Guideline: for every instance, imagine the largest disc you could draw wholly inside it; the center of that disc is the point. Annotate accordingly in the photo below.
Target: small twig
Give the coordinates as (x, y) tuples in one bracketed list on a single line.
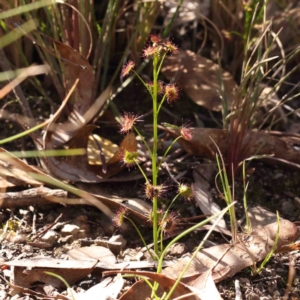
[(47, 228), (34, 222), (238, 293)]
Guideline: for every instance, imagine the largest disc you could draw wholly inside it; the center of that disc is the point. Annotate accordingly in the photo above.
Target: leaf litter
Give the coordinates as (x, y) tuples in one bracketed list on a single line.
[(212, 264)]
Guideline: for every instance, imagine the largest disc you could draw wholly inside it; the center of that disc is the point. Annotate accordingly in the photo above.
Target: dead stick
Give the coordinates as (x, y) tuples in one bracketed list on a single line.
[(35, 196)]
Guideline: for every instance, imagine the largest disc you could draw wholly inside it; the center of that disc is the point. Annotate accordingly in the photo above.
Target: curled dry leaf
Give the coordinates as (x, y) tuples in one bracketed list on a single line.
[(226, 260), (198, 77)]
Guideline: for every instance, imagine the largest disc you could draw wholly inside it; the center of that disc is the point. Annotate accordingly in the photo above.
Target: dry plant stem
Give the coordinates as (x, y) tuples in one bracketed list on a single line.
[(36, 196), (4, 63)]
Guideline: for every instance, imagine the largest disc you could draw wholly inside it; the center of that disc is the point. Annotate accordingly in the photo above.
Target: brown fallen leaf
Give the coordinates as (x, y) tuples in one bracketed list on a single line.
[(28, 271), (198, 77), (226, 260), (20, 289), (99, 253)]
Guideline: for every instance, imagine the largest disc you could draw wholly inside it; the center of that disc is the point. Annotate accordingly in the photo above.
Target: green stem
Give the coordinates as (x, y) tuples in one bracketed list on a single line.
[(154, 152)]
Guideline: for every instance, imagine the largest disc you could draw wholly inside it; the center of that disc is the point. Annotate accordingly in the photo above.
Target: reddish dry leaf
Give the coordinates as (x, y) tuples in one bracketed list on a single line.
[(140, 290), (198, 77), (226, 260), (203, 289), (203, 140), (164, 282)]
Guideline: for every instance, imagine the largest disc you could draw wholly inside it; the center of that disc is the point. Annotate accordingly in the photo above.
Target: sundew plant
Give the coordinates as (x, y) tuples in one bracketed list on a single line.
[(164, 222)]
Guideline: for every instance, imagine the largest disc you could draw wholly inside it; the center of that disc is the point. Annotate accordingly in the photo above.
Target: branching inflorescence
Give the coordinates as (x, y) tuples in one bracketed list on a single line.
[(164, 223)]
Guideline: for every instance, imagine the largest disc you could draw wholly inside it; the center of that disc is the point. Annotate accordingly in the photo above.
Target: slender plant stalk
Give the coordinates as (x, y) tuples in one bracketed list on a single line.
[(154, 153)]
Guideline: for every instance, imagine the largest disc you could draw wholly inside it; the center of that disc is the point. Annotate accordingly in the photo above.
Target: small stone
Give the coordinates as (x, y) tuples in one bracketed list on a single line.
[(49, 237), (118, 239), (244, 280), (178, 249), (70, 229), (288, 207), (81, 234)]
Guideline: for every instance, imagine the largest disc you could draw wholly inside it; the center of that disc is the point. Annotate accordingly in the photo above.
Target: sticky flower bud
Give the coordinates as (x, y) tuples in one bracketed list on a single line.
[(186, 133), (154, 191), (171, 92), (130, 158), (168, 224), (160, 87), (155, 39), (170, 47), (150, 51), (185, 191), (127, 122), (127, 68), (119, 217)]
